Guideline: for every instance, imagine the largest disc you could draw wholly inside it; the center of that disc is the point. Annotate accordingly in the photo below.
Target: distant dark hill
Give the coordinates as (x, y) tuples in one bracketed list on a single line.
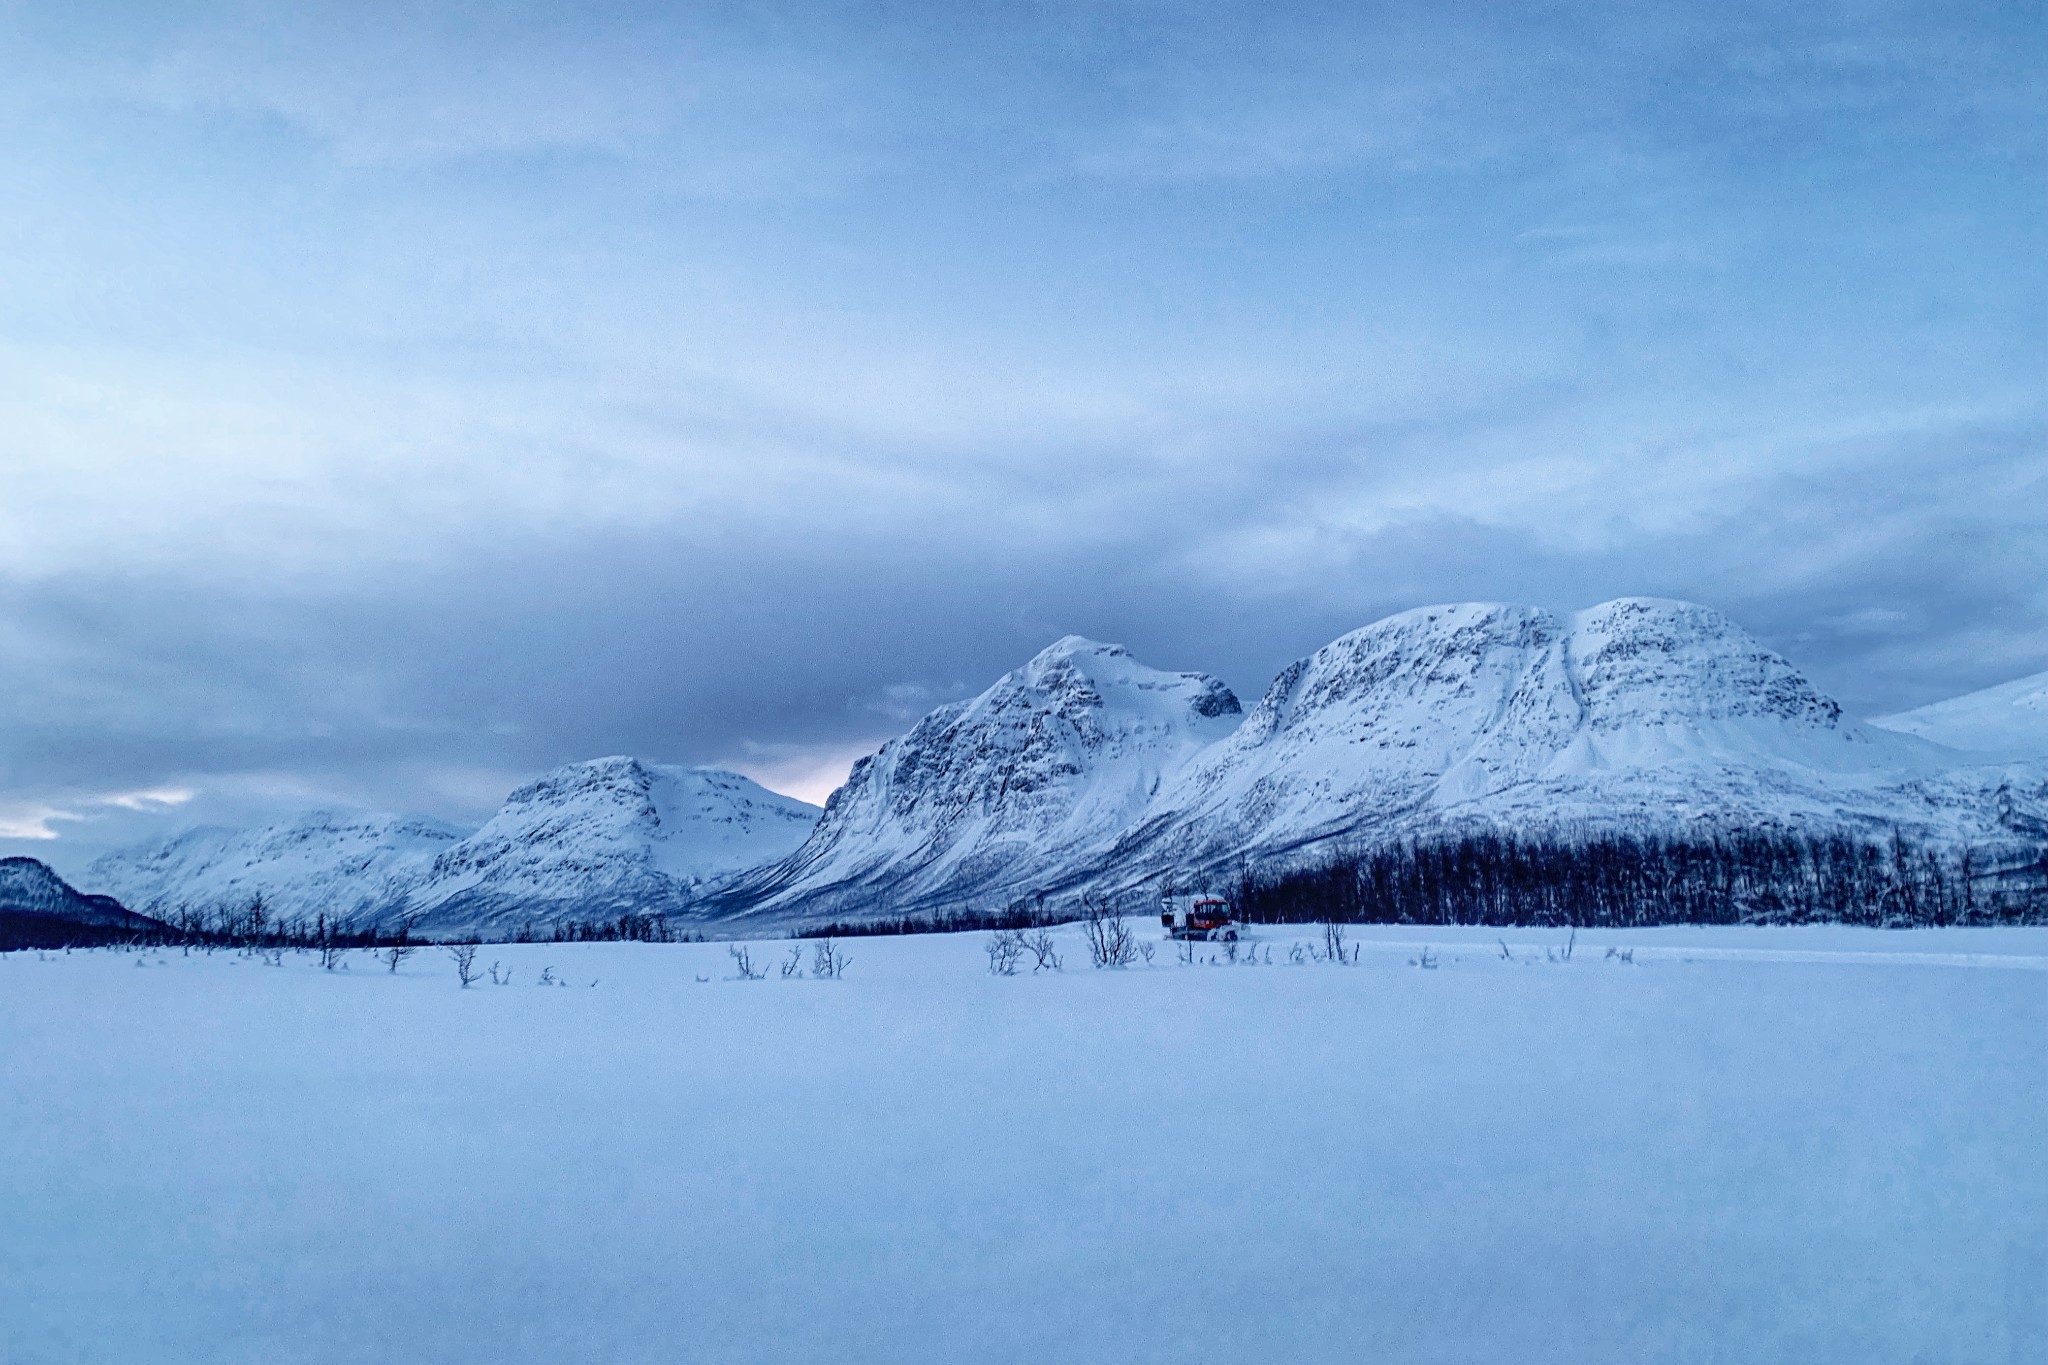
[(39, 909)]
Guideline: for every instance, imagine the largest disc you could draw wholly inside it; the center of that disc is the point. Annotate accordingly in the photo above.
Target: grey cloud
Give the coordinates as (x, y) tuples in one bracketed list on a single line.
[(1206, 329)]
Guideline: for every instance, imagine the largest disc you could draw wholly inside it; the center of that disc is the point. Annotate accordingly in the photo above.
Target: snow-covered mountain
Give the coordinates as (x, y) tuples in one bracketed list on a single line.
[(29, 886), (348, 867), (585, 841), (1086, 770), (610, 836), (2008, 721), (39, 908), (1639, 713), (1001, 796)]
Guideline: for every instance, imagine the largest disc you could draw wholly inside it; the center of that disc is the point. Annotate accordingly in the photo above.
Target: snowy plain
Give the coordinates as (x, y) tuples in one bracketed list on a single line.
[(1814, 1145)]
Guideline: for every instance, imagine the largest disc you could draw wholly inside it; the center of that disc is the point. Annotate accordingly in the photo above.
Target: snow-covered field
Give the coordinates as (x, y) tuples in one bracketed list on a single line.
[(1810, 1145)]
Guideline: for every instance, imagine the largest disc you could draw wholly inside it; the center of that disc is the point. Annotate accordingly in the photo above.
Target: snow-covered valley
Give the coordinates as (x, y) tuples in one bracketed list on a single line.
[(1817, 1144)]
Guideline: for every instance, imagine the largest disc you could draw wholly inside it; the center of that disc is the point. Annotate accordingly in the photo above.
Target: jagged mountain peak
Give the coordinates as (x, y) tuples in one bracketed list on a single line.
[(1068, 646), (983, 793)]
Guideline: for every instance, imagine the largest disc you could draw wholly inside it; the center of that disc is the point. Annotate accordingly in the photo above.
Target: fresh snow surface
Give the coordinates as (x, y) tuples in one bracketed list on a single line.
[(2009, 721), (1819, 1145)]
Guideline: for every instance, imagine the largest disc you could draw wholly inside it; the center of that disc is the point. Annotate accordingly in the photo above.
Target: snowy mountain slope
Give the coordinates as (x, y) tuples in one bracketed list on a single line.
[(1637, 714), (2009, 720), (991, 798), (39, 909), (1085, 770), (349, 867), (588, 840), (613, 835)]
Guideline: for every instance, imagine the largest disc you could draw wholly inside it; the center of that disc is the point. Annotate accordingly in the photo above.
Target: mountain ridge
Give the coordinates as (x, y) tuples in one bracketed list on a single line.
[(1085, 770)]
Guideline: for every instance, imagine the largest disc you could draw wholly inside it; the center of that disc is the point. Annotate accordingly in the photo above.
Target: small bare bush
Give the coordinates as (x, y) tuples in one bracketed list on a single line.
[(827, 962), (465, 963), (1006, 948), (1044, 951), (1111, 944), (793, 965), (744, 960)]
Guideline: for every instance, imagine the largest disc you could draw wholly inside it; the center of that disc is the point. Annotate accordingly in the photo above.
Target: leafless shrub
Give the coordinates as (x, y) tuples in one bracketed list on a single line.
[(1146, 947), (1230, 950), (465, 962), (397, 953), (1427, 961), (1185, 949), (1044, 950), (547, 978), (793, 965), (1504, 949), (744, 960), (1110, 940), (1333, 946), (1623, 955), (1006, 948), (827, 962)]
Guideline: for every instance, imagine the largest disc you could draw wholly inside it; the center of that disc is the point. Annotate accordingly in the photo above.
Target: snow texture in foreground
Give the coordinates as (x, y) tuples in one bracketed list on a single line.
[(1812, 1145)]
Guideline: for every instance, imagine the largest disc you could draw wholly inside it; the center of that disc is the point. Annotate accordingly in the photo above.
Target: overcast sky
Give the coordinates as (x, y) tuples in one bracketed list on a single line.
[(397, 401)]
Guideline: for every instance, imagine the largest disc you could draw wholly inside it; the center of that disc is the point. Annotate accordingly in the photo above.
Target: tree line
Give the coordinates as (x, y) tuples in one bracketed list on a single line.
[(1632, 880)]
